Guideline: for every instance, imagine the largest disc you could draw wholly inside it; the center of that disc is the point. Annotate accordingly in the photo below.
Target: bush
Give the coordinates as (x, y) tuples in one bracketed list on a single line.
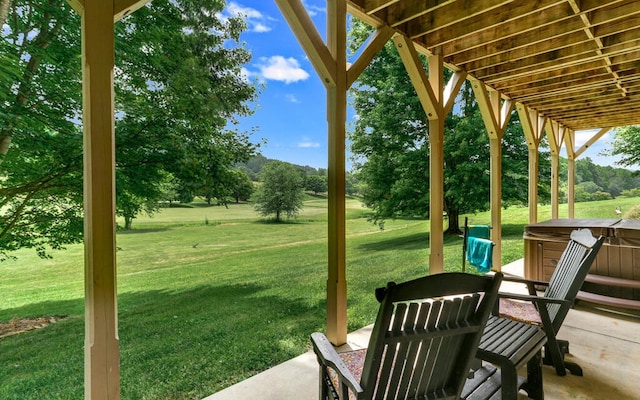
[(633, 213), (630, 193)]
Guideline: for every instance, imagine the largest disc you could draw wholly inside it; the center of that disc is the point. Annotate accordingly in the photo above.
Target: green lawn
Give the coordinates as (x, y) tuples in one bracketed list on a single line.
[(209, 296)]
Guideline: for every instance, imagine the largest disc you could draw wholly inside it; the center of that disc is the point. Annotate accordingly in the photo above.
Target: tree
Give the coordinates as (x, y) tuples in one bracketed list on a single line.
[(626, 144), (178, 86), (280, 191), (242, 185), (40, 145), (181, 85), (390, 144), (316, 183)]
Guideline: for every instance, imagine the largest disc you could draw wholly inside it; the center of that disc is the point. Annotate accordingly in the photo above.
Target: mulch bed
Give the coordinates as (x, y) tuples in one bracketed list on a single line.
[(19, 325)]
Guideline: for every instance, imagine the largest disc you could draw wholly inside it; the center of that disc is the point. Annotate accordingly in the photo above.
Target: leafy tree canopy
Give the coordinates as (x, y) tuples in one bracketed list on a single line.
[(626, 144), (178, 88), (280, 191), (390, 144)]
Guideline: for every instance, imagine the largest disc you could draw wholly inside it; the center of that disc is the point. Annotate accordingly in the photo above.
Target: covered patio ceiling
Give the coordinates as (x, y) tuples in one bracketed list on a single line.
[(576, 62)]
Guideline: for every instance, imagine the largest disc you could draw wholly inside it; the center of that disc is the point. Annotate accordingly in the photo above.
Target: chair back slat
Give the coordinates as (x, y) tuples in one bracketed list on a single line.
[(426, 346), (570, 273)]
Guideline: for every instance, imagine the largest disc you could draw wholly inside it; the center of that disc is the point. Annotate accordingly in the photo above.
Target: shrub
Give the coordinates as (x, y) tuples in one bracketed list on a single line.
[(633, 213)]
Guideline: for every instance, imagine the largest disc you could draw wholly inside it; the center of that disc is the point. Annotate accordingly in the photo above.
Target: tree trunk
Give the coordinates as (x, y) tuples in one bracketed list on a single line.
[(454, 224), (128, 221)]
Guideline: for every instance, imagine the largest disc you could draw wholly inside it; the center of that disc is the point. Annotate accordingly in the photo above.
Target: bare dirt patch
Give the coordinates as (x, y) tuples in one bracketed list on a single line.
[(19, 325)]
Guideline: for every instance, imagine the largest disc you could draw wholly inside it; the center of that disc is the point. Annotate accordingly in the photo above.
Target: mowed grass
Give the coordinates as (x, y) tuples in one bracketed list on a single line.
[(208, 296)]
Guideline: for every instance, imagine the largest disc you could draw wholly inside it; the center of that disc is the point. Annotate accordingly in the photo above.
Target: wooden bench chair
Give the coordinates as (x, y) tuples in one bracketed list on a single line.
[(549, 310), (422, 345)]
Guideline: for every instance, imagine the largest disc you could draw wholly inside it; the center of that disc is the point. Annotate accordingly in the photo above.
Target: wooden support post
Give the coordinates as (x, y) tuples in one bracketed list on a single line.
[(436, 167), (102, 369), (102, 357), (555, 135), (436, 100), (555, 185), (569, 142), (533, 127), (336, 118), (571, 187), (496, 113), (496, 201), (330, 62)]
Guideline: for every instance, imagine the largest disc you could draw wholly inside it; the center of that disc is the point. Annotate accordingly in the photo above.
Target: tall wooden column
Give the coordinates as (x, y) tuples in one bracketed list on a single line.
[(496, 113), (102, 369), (330, 63), (555, 135), (336, 120), (533, 127), (436, 168), (436, 100), (102, 359), (569, 141)]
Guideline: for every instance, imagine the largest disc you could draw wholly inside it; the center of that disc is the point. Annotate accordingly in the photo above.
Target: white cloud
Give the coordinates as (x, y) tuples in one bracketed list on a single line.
[(291, 98), (257, 21), (307, 143), (236, 9), (314, 10), (279, 68), (260, 28)]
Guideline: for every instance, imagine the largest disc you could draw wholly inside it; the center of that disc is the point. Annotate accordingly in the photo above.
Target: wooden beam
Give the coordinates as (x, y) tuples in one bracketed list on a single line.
[(102, 366), (428, 97), (450, 15), (452, 89), (569, 143), (377, 42), (591, 141), (435, 101), (533, 126), (571, 186), (555, 135), (336, 120), (122, 8), (496, 113), (310, 40)]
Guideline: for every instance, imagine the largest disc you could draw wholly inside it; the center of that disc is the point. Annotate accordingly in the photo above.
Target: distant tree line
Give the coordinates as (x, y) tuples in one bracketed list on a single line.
[(314, 179), (595, 182)]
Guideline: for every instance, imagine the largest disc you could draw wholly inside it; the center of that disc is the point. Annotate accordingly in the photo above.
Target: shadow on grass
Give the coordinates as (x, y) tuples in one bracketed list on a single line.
[(272, 221), (512, 230), (173, 344), (414, 241), (135, 231)]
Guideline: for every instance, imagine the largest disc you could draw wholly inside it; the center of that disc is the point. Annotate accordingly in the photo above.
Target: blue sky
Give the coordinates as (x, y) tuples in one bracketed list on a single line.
[(291, 110)]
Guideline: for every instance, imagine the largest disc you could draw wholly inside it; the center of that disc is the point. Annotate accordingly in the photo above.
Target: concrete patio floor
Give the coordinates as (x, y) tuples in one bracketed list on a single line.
[(606, 345)]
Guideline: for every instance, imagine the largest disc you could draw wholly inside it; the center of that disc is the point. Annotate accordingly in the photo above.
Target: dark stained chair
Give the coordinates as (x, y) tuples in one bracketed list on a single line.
[(422, 345), (524, 314)]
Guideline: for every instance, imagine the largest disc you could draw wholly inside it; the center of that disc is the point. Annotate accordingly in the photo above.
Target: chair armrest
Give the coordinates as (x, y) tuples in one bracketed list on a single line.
[(531, 284), (328, 357), (533, 298), (517, 279)]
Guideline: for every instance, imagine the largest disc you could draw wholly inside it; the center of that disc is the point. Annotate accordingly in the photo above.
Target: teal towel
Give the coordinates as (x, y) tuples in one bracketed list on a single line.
[(478, 231), (480, 253)]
